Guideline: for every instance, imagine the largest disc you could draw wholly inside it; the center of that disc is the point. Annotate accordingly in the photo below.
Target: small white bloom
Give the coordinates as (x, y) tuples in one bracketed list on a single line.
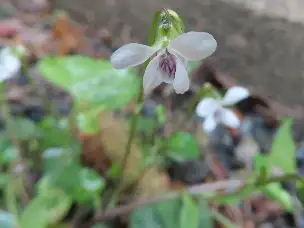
[(169, 64), (9, 63), (214, 111)]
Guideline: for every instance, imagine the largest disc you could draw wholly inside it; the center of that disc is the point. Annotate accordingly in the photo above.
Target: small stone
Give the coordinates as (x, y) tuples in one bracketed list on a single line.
[(255, 127), (221, 135), (298, 130), (223, 145), (300, 160), (149, 109), (21, 80), (189, 172), (246, 150), (62, 107), (35, 113)]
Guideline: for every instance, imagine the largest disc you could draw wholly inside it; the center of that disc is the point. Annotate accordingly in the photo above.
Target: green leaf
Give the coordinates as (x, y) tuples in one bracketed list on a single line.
[(236, 198), (55, 133), (90, 188), (161, 114), (67, 178), (172, 213), (283, 151), (145, 217), (168, 211), (83, 184), (189, 213), (55, 158), (146, 125), (7, 220), (88, 122), (35, 214), (223, 220), (25, 129), (275, 192), (95, 82), (261, 166), (182, 146), (114, 171), (8, 152), (45, 209), (57, 204), (91, 181), (3, 180), (63, 170), (205, 215), (161, 215)]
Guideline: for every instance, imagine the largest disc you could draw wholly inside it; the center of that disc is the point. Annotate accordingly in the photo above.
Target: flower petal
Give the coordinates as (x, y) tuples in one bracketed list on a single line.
[(181, 81), (9, 64), (209, 124), (4, 74), (12, 64), (229, 118), (206, 107), (194, 45), (131, 55), (234, 95), (152, 77)]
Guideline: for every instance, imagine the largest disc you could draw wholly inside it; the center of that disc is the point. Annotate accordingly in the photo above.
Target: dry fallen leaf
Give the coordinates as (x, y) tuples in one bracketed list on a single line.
[(69, 37)]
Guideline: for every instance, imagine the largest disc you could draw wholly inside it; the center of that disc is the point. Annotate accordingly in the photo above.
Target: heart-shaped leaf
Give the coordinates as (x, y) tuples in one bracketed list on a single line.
[(91, 82)]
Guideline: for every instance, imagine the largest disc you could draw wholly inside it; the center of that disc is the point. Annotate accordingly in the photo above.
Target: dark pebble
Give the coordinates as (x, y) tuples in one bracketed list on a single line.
[(300, 160), (298, 130), (149, 109), (17, 109), (35, 113), (62, 107), (21, 80), (255, 127), (223, 145), (189, 172)]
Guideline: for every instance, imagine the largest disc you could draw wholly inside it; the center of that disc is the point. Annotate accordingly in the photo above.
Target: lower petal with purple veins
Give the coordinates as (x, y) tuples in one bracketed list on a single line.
[(167, 66)]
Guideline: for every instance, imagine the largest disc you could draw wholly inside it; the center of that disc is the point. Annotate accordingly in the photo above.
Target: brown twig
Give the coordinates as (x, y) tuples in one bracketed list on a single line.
[(195, 190), (210, 188)]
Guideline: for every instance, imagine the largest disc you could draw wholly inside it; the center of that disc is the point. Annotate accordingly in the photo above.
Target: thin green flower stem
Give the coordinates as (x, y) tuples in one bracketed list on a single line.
[(134, 123), (132, 134)]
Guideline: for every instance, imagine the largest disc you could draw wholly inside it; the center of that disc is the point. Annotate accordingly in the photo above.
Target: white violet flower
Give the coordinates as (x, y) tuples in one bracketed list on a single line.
[(214, 110), (169, 63), (9, 62)]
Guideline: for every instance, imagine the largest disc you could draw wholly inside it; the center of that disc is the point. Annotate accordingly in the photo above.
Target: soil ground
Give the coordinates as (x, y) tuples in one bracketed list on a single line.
[(262, 52)]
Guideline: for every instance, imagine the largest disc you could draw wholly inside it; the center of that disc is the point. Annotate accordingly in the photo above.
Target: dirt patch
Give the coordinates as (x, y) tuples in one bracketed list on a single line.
[(261, 52)]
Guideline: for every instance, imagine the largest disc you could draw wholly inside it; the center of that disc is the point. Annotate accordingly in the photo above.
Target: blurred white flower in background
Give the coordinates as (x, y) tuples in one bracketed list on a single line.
[(169, 64), (214, 111), (10, 62)]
